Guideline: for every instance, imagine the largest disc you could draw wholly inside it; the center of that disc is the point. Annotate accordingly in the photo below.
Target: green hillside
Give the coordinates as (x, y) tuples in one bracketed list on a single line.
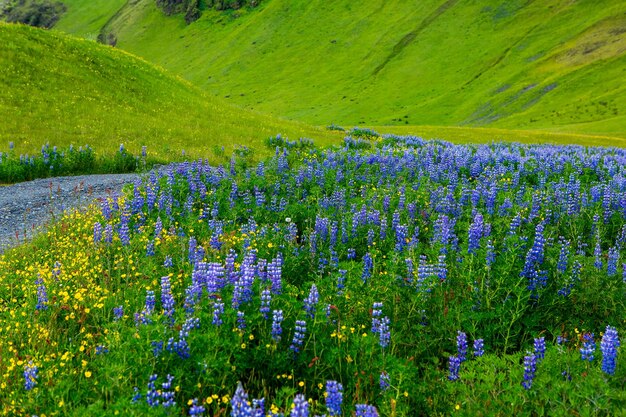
[(62, 90), (553, 65)]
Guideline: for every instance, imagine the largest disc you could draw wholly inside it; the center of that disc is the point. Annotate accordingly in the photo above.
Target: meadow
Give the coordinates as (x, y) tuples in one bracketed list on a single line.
[(386, 276), (552, 65), (62, 90)]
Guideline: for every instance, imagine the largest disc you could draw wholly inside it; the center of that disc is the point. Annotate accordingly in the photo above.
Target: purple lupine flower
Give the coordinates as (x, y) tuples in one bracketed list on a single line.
[(195, 409), (214, 277), (608, 346), (277, 319), (258, 407), (158, 228), (597, 253), (311, 302), (239, 403), (530, 366), (168, 261), (365, 410), (101, 350), (30, 376), (534, 258), (475, 233), (157, 348), (377, 312), (613, 260), (334, 398), (150, 302), (106, 209), (351, 253), (491, 253), (218, 310), (560, 340), (341, 281), (137, 395), (402, 235), (167, 299), (97, 232), (442, 268), (180, 347), (266, 298), (150, 248), (384, 332), (589, 347), (300, 407), (241, 320), (454, 366), (540, 348), (479, 348), (152, 396), (108, 233), (167, 394), (384, 381), (461, 345), (274, 272), (124, 233), (298, 336), (368, 265), (561, 265), (42, 294), (410, 270), (191, 253), (118, 312)]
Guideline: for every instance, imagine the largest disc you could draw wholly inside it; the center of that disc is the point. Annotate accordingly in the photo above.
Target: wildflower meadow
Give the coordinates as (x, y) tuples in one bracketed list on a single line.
[(386, 277)]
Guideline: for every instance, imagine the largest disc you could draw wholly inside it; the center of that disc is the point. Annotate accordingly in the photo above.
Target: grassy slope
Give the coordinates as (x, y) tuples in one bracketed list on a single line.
[(556, 65), (62, 90), (86, 17)]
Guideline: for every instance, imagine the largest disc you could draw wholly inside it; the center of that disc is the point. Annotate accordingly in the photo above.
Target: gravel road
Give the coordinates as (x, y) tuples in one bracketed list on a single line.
[(27, 207)]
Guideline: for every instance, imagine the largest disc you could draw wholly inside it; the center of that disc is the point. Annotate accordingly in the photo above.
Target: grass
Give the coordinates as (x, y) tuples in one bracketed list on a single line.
[(62, 90), (464, 134), (553, 65)]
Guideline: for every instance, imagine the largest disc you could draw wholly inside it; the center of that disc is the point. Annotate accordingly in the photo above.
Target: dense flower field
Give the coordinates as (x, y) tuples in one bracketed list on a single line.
[(400, 277)]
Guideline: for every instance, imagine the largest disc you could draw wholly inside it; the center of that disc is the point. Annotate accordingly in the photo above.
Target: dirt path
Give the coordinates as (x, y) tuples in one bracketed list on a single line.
[(28, 207)]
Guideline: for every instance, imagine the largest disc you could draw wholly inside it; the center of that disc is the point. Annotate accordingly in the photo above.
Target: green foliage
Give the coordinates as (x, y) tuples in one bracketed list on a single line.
[(278, 141), (39, 13), (53, 162), (490, 386), (363, 132)]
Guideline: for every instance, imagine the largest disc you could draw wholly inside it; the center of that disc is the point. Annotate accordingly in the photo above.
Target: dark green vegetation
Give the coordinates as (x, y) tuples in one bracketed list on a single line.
[(192, 9), (55, 162), (553, 65), (62, 90), (40, 13)]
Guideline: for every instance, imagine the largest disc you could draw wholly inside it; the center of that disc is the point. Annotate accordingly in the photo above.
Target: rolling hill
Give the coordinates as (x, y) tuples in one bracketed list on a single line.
[(59, 89), (552, 65)]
